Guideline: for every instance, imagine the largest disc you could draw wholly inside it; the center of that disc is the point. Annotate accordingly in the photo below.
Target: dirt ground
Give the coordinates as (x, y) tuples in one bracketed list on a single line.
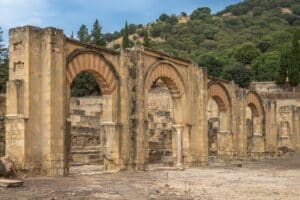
[(269, 179)]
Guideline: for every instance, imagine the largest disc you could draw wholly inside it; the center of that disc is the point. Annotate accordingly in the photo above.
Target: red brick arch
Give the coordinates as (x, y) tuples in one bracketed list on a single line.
[(220, 94), (171, 77), (255, 103), (94, 64)]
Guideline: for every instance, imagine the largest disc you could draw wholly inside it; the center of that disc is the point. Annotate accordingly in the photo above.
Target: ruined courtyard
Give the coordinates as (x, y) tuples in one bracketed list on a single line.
[(161, 128), (270, 179)]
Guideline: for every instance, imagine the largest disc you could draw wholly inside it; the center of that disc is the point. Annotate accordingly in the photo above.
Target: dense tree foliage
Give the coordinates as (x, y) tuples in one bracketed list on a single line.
[(146, 39), (96, 35), (238, 73), (282, 67), (83, 34), (201, 14), (247, 36), (125, 41), (294, 60), (84, 85), (3, 65), (252, 40)]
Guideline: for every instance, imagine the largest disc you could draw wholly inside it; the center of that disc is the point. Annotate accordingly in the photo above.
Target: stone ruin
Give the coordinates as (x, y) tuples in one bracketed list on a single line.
[(195, 118)]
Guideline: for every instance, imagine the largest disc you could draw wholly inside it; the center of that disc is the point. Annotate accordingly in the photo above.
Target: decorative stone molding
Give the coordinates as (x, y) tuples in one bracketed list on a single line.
[(179, 148)]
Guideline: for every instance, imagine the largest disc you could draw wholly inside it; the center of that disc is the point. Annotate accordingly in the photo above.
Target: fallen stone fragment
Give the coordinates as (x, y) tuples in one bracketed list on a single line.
[(7, 167), (10, 183)]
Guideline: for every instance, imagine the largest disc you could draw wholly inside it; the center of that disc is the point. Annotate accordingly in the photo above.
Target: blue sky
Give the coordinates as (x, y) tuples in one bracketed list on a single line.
[(70, 14)]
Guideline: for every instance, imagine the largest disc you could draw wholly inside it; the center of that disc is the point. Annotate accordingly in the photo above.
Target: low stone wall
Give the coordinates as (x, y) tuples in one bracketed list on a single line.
[(2, 125)]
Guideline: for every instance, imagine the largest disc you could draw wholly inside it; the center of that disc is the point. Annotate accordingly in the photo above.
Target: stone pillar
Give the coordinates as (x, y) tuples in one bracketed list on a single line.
[(36, 99), (179, 149), (111, 154), (196, 108), (224, 126)]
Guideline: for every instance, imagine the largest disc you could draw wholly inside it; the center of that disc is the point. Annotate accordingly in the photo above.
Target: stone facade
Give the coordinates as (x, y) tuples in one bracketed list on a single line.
[(43, 63), (2, 124)]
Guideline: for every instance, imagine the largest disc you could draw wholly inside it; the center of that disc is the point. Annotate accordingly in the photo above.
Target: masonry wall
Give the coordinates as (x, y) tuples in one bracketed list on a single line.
[(37, 105), (87, 140), (2, 124), (161, 119)]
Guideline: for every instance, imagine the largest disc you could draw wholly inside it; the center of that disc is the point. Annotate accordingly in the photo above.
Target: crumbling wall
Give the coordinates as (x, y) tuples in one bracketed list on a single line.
[(2, 125), (160, 112), (86, 139)]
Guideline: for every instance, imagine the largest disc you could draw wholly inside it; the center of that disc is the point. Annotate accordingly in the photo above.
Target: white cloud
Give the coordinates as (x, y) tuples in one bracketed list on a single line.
[(22, 12)]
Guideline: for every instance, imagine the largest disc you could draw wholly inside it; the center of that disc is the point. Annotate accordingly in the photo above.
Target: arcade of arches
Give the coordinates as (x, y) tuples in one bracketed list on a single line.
[(159, 108)]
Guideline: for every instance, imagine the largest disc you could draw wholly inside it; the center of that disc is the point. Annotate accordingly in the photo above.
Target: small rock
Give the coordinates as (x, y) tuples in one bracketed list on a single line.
[(10, 183), (7, 167)]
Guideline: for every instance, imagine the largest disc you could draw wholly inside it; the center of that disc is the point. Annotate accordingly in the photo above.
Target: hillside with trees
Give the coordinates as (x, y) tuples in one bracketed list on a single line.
[(244, 42), (255, 40)]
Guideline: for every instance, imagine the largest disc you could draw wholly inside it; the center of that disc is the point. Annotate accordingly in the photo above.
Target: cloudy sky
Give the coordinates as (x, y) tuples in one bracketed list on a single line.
[(70, 14)]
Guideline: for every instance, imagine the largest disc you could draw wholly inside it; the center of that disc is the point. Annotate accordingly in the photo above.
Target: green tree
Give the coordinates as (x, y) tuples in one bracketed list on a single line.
[(146, 39), (213, 63), (183, 14), (3, 65), (265, 66), (163, 17), (296, 9), (157, 30), (282, 67), (72, 35), (173, 20), (237, 73), (246, 53), (294, 60), (83, 34), (201, 13), (125, 42), (96, 35), (84, 85)]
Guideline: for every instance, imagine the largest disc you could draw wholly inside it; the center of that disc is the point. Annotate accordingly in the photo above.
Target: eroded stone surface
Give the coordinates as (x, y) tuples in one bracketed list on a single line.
[(43, 63)]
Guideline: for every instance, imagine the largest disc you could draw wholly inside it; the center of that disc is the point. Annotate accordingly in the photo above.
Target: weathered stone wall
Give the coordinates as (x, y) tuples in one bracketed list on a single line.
[(271, 87), (43, 63), (86, 137), (160, 111), (2, 124)]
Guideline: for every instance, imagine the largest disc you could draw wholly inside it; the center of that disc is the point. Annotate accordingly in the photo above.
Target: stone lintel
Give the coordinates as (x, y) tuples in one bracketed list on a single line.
[(16, 116), (284, 137), (225, 132), (108, 123), (178, 126)]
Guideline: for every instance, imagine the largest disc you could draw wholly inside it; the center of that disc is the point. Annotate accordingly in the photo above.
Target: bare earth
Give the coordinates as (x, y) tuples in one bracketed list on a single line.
[(269, 179)]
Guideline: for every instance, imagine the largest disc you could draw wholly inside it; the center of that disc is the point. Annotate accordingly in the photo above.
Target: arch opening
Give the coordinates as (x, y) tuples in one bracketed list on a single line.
[(165, 94), (218, 116), (284, 139), (91, 90), (255, 143), (161, 118)]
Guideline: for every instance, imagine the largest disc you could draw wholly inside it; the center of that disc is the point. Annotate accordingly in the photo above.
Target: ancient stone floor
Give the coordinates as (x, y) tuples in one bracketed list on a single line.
[(271, 179)]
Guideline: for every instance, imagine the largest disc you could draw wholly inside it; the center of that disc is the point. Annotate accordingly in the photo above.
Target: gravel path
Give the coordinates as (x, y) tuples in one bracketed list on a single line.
[(270, 179)]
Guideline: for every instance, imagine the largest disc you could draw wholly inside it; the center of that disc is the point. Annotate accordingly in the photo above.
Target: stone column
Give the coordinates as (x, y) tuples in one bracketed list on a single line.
[(179, 159), (111, 154)]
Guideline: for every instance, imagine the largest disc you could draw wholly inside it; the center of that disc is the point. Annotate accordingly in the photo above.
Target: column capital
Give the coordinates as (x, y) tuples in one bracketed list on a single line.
[(108, 123), (178, 126)]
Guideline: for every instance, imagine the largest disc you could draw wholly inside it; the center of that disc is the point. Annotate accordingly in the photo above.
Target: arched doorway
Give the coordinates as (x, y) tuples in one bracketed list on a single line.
[(255, 144), (284, 135), (219, 115), (91, 137), (165, 97)]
